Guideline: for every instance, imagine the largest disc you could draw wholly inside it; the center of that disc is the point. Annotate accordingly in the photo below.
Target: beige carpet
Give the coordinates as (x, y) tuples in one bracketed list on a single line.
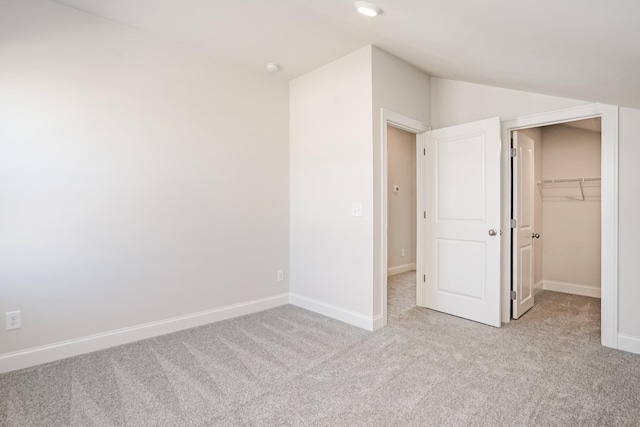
[(288, 366), (401, 295)]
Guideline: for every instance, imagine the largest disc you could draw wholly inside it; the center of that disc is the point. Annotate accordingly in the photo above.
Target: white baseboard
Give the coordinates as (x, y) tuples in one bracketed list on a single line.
[(571, 288), (629, 343), (378, 322), (391, 271), (539, 286), (61, 350), (356, 319)]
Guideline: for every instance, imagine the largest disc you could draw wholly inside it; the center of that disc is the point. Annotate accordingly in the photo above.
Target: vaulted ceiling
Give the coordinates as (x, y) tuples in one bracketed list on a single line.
[(583, 49)]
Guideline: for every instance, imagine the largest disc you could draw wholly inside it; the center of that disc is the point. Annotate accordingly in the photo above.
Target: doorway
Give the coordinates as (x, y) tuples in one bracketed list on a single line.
[(556, 211), (609, 207), (401, 222), (397, 121)]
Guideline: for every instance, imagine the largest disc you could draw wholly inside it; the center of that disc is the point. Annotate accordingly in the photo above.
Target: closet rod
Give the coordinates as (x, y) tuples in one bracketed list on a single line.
[(560, 180)]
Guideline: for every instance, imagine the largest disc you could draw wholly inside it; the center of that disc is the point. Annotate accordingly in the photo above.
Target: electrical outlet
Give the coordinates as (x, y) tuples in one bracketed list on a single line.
[(356, 209), (280, 275), (12, 320), (401, 252)]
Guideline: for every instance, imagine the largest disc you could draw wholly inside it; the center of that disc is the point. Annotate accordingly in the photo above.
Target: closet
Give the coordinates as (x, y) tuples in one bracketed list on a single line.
[(564, 250)]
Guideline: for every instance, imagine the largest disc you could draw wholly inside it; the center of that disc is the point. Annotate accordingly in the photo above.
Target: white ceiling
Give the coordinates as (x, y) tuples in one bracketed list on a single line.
[(583, 49), (594, 125)]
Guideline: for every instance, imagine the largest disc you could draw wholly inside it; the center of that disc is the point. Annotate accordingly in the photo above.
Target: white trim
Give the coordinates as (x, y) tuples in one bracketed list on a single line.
[(537, 287), (347, 316), (417, 127), (421, 225), (629, 343), (377, 322), (391, 271), (571, 288), (61, 350), (609, 219)]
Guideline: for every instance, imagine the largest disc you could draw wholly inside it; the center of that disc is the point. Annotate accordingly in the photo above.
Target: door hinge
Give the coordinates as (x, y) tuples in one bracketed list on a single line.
[(425, 214), (513, 223), (514, 152), (513, 295), (424, 151), (424, 278)]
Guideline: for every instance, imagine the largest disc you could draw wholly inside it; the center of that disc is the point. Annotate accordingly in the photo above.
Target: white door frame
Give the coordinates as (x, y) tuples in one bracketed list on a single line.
[(416, 127), (609, 200)]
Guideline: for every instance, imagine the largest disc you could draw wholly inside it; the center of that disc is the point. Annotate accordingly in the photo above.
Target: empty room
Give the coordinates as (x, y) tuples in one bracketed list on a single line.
[(300, 212)]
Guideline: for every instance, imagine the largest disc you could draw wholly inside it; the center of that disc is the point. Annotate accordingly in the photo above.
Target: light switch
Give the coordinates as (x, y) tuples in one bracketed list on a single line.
[(356, 209)]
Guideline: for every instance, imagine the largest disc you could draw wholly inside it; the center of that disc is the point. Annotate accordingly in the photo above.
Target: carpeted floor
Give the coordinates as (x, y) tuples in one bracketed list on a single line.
[(288, 366), (401, 295)]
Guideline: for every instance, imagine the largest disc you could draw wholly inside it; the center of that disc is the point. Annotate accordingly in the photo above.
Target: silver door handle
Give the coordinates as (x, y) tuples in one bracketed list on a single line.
[(535, 235), (492, 232)]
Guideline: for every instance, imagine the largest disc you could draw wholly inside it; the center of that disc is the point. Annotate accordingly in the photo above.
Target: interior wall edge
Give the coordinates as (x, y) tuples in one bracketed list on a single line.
[(363, 321)]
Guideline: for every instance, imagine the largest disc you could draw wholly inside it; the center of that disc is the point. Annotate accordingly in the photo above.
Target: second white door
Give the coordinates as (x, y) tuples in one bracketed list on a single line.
[(524, 234)]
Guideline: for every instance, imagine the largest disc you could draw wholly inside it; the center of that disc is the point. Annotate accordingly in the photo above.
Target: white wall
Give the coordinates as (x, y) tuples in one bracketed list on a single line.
[(629, 212), (402, 89), (331, 166), (139, 181), (456, 102), (571, 230), (335, 154), (401, 149), (536, 135)]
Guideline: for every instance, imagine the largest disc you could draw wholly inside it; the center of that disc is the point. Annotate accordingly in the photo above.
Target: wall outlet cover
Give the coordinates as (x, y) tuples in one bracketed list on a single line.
[(13, 320)]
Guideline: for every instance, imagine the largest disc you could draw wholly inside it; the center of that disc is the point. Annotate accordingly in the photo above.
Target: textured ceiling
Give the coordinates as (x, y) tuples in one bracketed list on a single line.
[(583, 49)]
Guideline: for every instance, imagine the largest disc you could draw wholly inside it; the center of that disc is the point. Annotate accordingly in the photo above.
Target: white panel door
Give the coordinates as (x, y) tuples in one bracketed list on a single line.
[(462, 251), (524, 233)]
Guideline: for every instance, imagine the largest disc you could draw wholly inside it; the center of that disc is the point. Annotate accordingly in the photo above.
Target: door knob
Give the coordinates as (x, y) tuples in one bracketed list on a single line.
[(492, 232), (535, 235)]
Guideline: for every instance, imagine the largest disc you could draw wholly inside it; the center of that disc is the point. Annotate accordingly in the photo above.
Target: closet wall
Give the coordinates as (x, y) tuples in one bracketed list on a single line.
[(401, 205), (570, 226)]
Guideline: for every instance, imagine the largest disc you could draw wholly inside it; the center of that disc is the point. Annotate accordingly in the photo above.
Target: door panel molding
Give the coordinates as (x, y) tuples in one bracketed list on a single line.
[(522, 176), (462, 241)]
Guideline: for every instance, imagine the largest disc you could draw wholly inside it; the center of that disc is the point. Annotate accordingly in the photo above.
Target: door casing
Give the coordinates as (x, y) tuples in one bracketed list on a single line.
[(609, 203), (416, 127)]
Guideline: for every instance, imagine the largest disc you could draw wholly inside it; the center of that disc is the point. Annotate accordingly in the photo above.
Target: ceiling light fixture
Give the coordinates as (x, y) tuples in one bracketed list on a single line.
[(367, 9), (272, 67)]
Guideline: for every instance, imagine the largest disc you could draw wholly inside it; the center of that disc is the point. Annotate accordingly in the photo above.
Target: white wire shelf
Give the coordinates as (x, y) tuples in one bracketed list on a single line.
[(570, 189)]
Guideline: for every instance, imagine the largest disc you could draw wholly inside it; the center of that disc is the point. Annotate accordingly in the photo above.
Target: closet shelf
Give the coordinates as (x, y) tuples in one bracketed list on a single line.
[(559, 187), (580, 181)]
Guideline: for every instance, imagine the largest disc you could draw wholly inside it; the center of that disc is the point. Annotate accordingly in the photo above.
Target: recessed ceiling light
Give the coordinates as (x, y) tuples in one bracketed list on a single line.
[(367, 9), (272, 67)]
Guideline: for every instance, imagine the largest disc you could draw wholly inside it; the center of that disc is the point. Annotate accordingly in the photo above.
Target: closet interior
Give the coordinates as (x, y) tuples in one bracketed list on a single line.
[(566, 207)]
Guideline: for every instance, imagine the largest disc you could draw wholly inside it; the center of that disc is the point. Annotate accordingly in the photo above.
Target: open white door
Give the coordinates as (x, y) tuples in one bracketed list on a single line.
[(462, 184), (524, 232)]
